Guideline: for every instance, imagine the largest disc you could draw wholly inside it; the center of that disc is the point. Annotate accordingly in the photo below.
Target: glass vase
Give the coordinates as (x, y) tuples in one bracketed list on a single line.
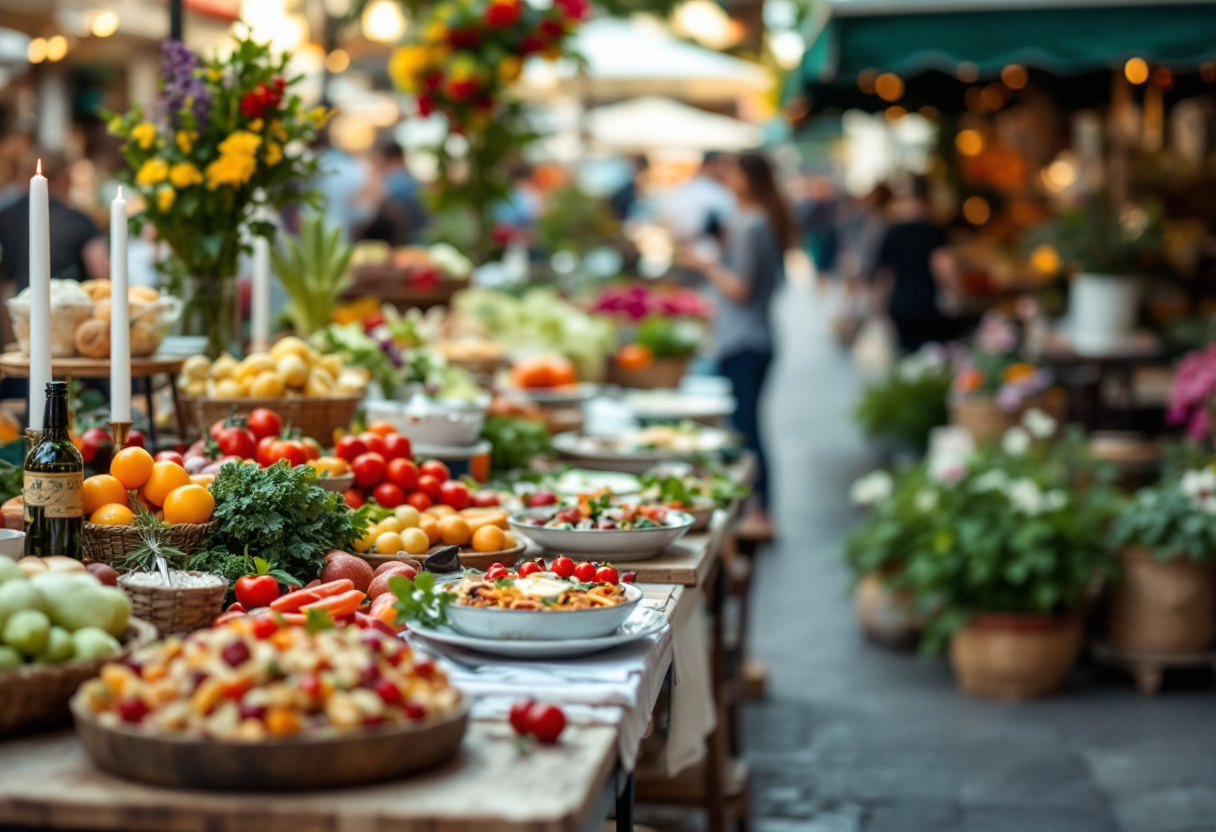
[(211, 310)]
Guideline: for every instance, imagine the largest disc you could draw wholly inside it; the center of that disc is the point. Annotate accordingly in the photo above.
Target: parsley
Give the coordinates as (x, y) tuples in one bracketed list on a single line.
[(418, 601), (318, 620)]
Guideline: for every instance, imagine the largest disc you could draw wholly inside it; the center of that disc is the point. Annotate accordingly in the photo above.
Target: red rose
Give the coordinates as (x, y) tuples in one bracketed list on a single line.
[(464, 38), (575, 9), (501, 234), (431, 82), (484, 105), (426, 105), (253, 105), (530, 44), (461, 89), (280, 84), (551, 30), (501, 13)]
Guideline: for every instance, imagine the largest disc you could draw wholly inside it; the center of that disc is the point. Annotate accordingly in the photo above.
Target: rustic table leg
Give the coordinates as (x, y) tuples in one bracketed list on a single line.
[(1148, 679), (179, 415), (624, 806), (715, 758), (150, 398)]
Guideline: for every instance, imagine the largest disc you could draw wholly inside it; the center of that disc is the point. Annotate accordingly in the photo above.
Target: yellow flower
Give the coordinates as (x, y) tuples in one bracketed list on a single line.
[(115, 125), (277, 132), (214, 75), (184, 174), (230, 170), (405, 65), (509, 69), (144, 134), (165, 195), (256, 125), (274, 154), (240, 143), (320, 116), (436, 32), (152, 173), (185, 140)]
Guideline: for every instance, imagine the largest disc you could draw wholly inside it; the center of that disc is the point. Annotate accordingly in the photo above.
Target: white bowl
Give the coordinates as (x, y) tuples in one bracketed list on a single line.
[(533, 625), (12, 543), (445, 424), (615, 545)]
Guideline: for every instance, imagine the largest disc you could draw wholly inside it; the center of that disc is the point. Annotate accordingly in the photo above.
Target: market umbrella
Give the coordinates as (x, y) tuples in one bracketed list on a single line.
[(652, 123)]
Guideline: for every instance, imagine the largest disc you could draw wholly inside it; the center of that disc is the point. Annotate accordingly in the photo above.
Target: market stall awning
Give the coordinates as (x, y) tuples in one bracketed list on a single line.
[(1064, 37), (652, 123)]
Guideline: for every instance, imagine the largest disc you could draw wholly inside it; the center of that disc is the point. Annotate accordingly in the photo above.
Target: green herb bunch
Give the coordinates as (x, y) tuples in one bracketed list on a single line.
[(669, 337)]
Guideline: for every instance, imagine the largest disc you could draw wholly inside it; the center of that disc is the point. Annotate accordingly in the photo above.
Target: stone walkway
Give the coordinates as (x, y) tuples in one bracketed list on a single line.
[(854, 738)]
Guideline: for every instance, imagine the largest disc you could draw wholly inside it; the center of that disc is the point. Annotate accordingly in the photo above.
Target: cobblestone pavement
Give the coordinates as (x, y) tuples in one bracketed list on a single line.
[(854, 738)]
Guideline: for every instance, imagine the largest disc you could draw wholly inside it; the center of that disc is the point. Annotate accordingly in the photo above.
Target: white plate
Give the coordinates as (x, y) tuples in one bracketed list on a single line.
[(672, 404), (552, 396), (644, 622), (615, 545), (537, 625), (576, 481), (613, 454)]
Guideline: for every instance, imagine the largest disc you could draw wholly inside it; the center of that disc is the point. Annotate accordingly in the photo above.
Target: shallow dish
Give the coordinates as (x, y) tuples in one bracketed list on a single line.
[(616, 545), (575, 482), (674, 404), (644, 622), (308, 762), (533, 625), (440, 423), (339, 483), (553, 396), (611, 454)]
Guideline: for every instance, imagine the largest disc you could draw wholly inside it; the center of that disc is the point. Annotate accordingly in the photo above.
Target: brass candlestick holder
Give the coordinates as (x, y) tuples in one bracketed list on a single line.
[(32, 437), (121, 431)]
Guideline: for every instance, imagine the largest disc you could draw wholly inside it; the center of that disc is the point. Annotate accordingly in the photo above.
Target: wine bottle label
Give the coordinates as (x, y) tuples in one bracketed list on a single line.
[(59, 495)]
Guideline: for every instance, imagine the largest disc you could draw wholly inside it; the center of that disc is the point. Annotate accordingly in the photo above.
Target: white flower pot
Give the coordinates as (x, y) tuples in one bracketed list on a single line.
[(1102, 311)]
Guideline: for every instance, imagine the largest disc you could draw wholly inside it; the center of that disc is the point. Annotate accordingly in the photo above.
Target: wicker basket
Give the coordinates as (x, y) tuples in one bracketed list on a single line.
[(34, 696), (663, 374), (106, 544), (174, 609), (316, 418)]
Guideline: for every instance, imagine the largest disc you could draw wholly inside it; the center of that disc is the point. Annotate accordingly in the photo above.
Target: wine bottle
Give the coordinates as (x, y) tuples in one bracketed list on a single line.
[(54, 484)]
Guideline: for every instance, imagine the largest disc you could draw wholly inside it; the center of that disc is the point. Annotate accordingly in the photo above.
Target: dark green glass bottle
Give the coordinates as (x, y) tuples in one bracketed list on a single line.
[(54, 484)]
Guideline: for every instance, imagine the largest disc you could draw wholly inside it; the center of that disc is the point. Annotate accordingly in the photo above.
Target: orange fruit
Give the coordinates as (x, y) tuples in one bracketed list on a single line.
[(204, 480), (132, 466), (102, 490), (563, 371), (189, 504), (165, 477), (454, 531), (634, 357), (332, 465), (541, 371), (431, 526), (382, 427), (113, 515), (489, 539)]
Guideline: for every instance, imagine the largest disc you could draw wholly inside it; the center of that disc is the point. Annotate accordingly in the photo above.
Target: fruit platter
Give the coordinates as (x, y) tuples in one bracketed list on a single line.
[(598, 526), (259, 704), (636, 451)]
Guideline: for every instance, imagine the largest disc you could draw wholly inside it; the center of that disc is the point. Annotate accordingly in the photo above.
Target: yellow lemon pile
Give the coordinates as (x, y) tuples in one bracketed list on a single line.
[(291, 368)]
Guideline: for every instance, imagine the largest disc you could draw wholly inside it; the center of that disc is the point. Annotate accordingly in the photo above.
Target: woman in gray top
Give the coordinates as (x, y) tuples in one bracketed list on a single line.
[(743, 282)]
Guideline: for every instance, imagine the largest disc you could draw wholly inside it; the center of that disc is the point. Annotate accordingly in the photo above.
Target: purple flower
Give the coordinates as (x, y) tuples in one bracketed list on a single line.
[(1192, 391), (996, 335), (1009, 398), (181, 87)]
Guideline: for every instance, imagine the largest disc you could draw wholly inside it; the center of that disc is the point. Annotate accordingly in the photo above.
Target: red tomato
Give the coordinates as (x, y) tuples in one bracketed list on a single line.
[(264, 626), (420, 501), (585, 572), (353, 497), (92, 441), (171, 456), (563, 567), (485, 499), (629, 577), (312, 448), (388, 495), (542, 498), (369, 470), (136, 440), (256, 590), (350, 448), (607, 575), (263, 451), (234, 441), (454, 493), (404, 473), (397, 446), (529, 568), (496, 572), (373, 441), (291, 450), (519, 716), (546, 723), (216, 426), (264, 422), (436, 469), (429, 486)]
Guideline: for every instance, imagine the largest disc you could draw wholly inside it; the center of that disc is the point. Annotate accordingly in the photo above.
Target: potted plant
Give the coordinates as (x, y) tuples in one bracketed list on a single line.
[(1104, 245), (658, 356), (1165, 601), (1193, 393), (995, 384), (910, 401), (1009, 553)]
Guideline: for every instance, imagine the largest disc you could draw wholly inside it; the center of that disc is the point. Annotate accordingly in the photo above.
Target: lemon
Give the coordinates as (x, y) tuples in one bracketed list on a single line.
[(267, 385), (391, 524), (415, 542), (293, 370), (409, 517), (254, 365), (388, 543)]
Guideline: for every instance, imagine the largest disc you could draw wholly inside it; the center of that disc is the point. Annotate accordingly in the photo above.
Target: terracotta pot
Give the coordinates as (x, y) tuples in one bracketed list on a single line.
[(1015, 656), (887, 616), (662, 374), (987, 422), (1162, 606)]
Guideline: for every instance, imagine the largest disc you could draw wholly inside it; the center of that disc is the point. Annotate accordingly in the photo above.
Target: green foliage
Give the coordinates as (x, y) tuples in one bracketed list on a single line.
[(11, 480), (282, 516), (1098, 237), (418, 601), (359, 350), (314, 270), (690, 489), (575, 221), (668, 337), (515, 443), (1176, 518), (907, 404)]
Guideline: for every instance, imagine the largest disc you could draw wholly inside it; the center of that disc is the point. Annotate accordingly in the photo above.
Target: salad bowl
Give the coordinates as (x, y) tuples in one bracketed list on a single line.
[(616, 545)]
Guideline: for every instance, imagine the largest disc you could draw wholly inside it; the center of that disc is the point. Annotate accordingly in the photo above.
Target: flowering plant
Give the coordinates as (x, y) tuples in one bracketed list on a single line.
[(900, 506), (226, 136), (1192, 393), (1176, 518), (458, 62), (993, 365), (636, 301), (910, 401)]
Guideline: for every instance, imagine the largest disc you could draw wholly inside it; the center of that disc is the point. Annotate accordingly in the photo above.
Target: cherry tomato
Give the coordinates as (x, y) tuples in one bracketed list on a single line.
[(264, 422), (563, 567), (353, 497), (546, 723), (496, 572), (216, 426), (373, 441), (436, 469), (93, 441), (403, 473), (288, 449), (607, 575), (419, 501), (256, 590), (350, 448), (381, 427), (429, 486), (264, 626), (529, 568), (542, 498), (263, 452), (369, 469), (397, 446), (454, 493), (171, 456), (485, 499), (388, 495), (235, 441), (585, 572), (519, 716), (629, 577), (312, 448)]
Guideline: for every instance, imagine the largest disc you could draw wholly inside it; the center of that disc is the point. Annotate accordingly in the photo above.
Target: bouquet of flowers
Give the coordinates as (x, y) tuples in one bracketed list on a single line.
[(993, 365), (1192, 393)]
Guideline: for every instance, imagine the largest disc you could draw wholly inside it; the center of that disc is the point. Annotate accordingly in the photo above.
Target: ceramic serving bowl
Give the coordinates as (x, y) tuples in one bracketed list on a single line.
[(616, 545), (536, 625)]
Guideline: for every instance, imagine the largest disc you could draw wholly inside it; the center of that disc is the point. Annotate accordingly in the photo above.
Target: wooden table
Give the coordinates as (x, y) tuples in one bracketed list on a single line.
[(17, 364)]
